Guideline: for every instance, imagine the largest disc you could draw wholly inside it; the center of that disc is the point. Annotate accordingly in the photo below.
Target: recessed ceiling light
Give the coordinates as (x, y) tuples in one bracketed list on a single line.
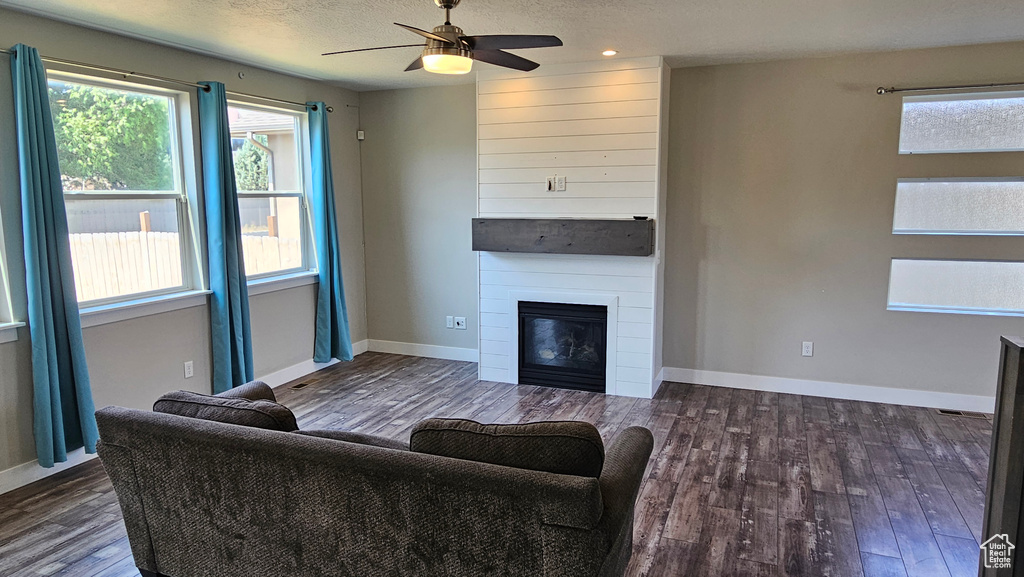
[(610, 52)]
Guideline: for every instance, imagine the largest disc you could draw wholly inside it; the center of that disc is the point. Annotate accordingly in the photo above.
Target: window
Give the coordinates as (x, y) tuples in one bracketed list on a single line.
[(269, 173), (968, 123), (120, 159), (953, 206), (978, 124), (973, 287), (6, 312)]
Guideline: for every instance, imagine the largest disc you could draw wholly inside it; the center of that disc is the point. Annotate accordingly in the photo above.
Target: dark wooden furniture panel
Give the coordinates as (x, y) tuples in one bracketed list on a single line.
[(1006, 471), (564, 236)]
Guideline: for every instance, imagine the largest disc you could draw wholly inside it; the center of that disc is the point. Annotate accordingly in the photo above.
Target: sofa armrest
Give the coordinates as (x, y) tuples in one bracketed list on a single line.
[(624, 466), (253, 390), (360, 438)]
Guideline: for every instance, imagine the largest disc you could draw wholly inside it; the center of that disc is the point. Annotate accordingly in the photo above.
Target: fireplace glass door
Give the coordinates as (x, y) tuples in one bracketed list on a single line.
[(563, 345)]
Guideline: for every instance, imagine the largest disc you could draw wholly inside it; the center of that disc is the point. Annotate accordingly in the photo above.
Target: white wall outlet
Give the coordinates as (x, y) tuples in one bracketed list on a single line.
[(550, 184), (808, 349), (360, 135), (449, 322), (560, 183), (460, 323), (189, 372)]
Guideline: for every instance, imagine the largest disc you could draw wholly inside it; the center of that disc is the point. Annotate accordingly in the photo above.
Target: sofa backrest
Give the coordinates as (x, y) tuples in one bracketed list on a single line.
[(208, 498)]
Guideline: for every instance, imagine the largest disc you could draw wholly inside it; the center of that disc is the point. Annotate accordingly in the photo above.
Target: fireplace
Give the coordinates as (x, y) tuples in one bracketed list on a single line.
[(563, 345)]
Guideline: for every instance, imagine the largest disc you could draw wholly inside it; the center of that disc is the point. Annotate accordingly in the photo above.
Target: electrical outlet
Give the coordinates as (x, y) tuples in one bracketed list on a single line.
[(560, 183), (189, 372), (808, 349), (449, 322), (460, 323), (551, 184)]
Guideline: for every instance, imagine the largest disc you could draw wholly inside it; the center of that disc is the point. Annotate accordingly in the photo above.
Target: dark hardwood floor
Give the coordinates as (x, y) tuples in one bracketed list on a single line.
[(740, 482)]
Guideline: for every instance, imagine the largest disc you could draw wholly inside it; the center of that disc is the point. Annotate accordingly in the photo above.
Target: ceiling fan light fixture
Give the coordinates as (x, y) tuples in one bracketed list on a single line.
[(447, 64)]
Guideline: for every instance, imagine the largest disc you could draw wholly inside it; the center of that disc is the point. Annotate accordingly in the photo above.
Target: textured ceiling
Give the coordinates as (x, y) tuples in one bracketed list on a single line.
[(289, 35)]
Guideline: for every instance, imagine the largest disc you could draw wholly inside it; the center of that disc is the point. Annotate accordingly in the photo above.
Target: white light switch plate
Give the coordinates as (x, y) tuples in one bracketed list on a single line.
[(560, 183), (449, 322)]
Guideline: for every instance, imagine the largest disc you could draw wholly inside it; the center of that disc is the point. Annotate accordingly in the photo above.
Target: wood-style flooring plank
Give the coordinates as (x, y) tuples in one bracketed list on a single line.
[(920, 552), (882, 566), (870, 517), (962, 556)]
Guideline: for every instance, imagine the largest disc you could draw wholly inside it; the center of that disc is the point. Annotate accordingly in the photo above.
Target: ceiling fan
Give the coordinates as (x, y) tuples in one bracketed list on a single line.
[(449, 51)]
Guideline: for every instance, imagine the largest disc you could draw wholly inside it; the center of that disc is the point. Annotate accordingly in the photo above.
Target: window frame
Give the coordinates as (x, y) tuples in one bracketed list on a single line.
[(308, 258), (178, 111)]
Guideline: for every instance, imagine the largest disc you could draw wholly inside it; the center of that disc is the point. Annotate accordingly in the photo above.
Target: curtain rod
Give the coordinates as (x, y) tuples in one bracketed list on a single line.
[(882, 90), (127, 73)]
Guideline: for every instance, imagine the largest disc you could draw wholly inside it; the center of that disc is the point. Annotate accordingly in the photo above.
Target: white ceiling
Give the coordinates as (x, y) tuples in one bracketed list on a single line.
[(289, 35)]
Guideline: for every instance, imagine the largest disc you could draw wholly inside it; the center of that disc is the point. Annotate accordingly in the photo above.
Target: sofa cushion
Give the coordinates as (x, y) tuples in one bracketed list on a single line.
[(253, 390), (236, 411), (563, 447)]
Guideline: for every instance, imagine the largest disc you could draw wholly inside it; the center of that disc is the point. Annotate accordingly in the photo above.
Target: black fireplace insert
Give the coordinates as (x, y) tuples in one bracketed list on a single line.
[(563, 345)]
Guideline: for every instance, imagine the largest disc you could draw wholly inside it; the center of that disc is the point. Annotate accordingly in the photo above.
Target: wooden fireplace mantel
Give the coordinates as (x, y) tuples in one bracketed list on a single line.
[(618, 237)]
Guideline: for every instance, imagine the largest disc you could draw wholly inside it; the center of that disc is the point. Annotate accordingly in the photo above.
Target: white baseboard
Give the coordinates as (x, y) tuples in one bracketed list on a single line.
[(25, 473), (360, 347), (870, 393), (432, 351), (289, 374)]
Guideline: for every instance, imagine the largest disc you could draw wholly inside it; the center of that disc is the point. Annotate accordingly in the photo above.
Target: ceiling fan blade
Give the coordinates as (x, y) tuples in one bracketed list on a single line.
[(505, 59), (425, 34), (416, 64), (503, 41), (377, 48)]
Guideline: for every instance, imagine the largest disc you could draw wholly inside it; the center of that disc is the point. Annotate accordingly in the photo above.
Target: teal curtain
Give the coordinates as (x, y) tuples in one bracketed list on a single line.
[(63, 406), (229, 310), (332, 336)]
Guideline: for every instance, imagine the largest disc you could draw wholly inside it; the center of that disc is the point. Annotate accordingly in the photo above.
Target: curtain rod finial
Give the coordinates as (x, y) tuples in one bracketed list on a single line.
[(882, 90)]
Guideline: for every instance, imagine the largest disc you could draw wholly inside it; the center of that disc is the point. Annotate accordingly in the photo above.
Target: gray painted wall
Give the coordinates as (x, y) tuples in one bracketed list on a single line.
[(782, 180), (133, 362), (419, 196)]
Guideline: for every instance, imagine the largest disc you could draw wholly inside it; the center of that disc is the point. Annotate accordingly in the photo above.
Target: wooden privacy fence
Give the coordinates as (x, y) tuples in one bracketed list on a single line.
[(110, 264)]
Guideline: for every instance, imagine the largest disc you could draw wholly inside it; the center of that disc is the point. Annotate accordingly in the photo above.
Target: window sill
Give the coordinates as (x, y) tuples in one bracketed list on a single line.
[(279, 283), (116, 312), (9, 332)]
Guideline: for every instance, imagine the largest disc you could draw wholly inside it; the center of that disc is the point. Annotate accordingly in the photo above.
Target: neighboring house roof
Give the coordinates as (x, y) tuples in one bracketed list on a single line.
[(248, 120)]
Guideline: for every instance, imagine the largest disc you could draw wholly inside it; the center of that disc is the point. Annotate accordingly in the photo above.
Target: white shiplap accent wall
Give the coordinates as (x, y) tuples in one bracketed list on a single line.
[(602, 126)]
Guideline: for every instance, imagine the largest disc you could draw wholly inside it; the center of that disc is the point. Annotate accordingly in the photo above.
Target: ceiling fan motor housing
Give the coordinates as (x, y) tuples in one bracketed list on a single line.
[(446, 4), (457, 46)]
